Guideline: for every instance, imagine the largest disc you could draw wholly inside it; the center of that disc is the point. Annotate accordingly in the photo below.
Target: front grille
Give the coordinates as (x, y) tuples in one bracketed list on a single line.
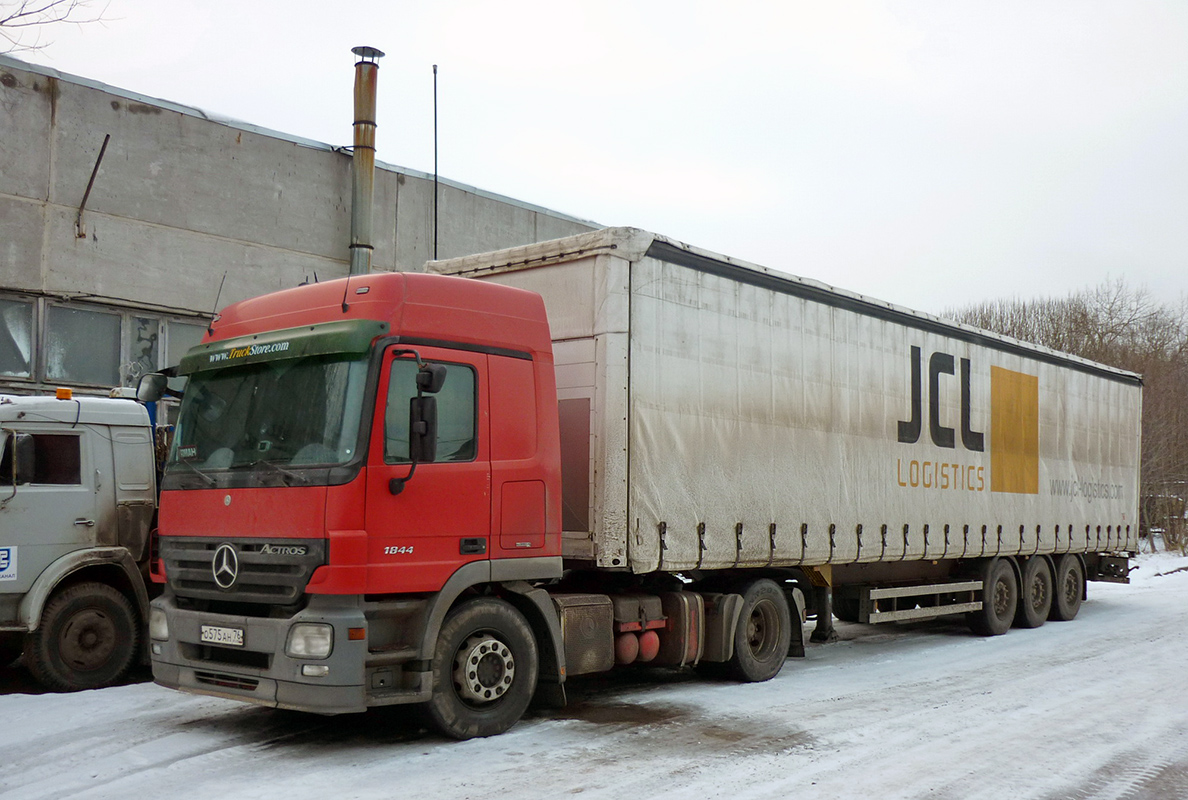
[(227, 681), (225, 655), (264, 576)]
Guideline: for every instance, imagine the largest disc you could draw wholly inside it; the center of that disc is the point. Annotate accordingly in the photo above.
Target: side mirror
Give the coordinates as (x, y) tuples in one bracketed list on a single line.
[(151, 387), (422, 429), (430, 378)]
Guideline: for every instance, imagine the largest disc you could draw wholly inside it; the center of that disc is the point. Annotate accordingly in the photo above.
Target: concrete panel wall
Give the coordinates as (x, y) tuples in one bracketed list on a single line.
[(179, 199)]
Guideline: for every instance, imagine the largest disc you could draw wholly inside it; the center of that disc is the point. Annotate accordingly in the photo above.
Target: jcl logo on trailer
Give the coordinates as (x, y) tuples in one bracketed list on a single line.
[(1014, 430), (8, 563)]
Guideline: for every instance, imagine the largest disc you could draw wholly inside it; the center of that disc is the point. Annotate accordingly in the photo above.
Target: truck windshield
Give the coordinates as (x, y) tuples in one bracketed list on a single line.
[(278, 415)]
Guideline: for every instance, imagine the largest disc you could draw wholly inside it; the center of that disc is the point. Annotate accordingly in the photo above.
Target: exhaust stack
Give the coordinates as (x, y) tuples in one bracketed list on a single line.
[(363, 160)]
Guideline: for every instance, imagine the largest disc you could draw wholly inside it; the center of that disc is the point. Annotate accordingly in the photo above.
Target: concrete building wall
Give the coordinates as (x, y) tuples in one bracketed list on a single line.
[(179, 200)]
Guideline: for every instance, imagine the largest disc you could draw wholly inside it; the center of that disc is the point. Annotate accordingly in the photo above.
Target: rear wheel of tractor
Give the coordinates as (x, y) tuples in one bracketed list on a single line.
[(763, 634), (1069, 588), (484, 670), (1000, 596), (11, 644), (88, 638), (1035, 594)]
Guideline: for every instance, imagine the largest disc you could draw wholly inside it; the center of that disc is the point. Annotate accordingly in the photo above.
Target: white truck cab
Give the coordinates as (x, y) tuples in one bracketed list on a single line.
[(77, 506)]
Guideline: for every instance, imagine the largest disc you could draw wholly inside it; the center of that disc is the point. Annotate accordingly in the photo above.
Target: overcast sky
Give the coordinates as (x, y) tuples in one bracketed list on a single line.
[(927, 153)]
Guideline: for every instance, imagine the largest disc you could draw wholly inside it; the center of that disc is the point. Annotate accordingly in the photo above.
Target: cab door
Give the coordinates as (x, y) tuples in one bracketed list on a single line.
[(424, 523), (60, 505)]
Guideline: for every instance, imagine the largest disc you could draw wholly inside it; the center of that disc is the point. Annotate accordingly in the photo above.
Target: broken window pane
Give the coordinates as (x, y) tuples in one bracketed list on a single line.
[(143, 336), (82, 346), (16, 338)]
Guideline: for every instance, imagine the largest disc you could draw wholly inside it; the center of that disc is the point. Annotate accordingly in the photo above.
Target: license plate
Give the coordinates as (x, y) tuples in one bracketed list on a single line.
[(212, 634)]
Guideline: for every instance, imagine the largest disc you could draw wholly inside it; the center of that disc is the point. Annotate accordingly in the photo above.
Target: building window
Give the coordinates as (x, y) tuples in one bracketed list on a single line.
[(144, 335), (16, 338), (76, 344), (182, 336), (82, 346)]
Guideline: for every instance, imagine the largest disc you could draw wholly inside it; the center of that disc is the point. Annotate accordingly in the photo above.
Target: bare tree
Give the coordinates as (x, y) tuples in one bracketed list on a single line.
[(1125, 328), (23, 22)]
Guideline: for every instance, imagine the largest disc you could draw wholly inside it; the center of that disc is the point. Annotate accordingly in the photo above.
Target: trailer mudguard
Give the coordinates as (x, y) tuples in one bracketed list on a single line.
[(29, 613)]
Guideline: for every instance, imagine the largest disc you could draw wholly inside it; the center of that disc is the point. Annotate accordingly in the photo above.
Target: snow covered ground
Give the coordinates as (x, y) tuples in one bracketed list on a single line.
[(1095, 708)]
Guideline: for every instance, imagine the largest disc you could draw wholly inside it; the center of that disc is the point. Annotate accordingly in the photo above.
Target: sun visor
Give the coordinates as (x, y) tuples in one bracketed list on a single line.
[(343, 336)]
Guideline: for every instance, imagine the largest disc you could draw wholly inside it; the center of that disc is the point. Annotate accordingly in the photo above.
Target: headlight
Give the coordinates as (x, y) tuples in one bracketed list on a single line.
[(310, 640), (158, 624)]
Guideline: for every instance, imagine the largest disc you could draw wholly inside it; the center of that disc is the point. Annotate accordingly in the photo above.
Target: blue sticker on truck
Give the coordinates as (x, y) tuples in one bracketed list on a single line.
[(8, 563)]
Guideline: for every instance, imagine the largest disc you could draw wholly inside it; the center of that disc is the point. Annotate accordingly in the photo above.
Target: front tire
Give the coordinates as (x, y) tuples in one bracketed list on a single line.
[(763, 634), (484, 670), (88, 638)]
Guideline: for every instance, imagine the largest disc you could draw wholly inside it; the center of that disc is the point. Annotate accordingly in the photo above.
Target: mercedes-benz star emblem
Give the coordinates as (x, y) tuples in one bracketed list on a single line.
[(225, 566)]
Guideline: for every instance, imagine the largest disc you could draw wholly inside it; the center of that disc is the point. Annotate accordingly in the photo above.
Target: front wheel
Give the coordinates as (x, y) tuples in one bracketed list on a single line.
[(763, 634), (484, 670), (88, 638)]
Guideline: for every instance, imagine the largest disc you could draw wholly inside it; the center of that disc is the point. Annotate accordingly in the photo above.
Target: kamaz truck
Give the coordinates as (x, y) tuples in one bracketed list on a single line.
[(78, 497), (459, 488)]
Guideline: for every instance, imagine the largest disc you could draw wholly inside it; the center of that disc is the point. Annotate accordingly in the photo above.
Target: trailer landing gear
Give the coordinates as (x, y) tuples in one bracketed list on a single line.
[(825, 633)]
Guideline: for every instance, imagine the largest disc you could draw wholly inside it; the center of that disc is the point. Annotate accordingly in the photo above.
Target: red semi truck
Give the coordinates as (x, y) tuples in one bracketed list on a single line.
[(606, 450)]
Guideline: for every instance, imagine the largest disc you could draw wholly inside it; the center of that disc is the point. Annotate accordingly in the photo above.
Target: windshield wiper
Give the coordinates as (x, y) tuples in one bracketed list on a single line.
[(284, 473), (209, 481)]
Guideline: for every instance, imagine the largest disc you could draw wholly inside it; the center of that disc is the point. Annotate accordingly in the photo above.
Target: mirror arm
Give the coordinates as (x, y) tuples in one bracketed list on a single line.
[(396, 485)]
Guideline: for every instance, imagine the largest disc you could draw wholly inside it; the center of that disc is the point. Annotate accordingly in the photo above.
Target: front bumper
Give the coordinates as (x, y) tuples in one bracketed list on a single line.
[(260, 671)]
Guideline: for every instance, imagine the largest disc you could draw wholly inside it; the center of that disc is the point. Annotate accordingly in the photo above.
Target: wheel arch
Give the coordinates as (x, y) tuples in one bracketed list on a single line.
[(112, 566), (506, 578)]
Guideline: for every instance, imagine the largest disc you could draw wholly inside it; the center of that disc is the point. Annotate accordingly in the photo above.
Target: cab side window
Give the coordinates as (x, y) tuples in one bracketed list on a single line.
[(56, 459), (456, 413)]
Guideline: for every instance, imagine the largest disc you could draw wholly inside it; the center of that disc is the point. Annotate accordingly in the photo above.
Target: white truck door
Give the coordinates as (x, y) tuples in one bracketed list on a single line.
[(57, 510)]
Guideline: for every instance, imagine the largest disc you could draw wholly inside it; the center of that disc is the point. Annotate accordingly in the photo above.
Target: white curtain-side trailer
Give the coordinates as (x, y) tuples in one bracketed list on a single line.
[(717, 416)]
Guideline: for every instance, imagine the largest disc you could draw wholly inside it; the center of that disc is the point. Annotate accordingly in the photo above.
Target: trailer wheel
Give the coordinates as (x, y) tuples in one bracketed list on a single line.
[(484, 670), (1000, 597), (1070, 588), (763, 634), (1035, 595), (88, 638), (11, 644)]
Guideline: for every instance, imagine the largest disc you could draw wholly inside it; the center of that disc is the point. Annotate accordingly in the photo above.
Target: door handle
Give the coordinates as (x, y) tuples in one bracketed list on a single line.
[(90, 523)]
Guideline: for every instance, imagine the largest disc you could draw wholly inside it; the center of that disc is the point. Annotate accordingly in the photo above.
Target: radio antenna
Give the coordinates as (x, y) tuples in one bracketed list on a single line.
[(214, 312)]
